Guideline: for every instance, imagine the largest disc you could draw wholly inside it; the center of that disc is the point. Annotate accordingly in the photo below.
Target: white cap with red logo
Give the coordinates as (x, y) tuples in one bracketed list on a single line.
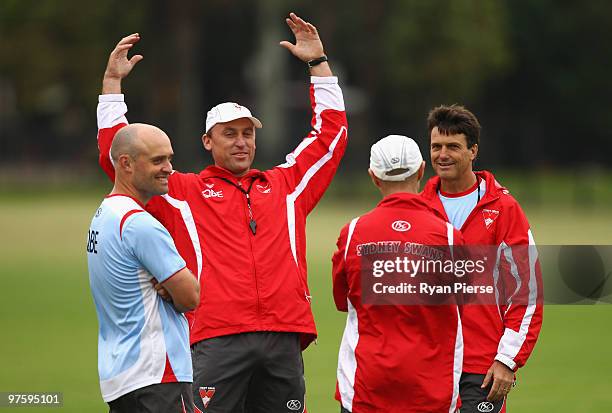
[(227, 112)]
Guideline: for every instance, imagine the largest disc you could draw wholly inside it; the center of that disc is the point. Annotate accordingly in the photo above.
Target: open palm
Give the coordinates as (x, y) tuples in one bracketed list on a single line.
[(119, 66), (307, 45)]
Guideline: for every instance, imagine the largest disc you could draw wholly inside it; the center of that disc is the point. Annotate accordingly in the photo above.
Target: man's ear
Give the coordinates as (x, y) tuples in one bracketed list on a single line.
[(474, 150), (206, 141), (375, 179), (421, 171), (125, 162)]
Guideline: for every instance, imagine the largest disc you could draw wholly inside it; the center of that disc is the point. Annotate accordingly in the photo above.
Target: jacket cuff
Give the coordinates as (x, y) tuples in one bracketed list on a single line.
[(507, 361), (332, 80), (111, 97)]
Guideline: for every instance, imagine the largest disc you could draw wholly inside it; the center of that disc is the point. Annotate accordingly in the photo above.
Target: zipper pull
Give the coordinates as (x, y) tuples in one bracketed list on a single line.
[(253, 226)]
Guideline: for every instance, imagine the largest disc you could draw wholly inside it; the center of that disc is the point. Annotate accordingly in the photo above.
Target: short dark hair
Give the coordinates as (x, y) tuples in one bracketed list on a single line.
[(454, 120)]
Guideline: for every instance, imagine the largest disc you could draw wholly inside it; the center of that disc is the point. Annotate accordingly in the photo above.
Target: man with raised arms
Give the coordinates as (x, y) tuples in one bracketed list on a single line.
[(242, 233)]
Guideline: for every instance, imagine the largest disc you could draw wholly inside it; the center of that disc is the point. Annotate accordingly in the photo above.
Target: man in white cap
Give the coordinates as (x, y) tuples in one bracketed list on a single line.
[(242, 232), (394, 358)]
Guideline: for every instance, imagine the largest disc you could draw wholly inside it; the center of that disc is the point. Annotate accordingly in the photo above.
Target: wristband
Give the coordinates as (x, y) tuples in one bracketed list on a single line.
[(312, 63)]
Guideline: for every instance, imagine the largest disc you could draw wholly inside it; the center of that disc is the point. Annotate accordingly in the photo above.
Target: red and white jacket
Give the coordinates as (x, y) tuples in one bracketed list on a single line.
[(248, 282), (507, 331), (395, 358)]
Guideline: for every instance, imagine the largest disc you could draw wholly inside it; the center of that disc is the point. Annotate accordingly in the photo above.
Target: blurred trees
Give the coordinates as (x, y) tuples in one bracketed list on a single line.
[(534, 71), (52, 54)]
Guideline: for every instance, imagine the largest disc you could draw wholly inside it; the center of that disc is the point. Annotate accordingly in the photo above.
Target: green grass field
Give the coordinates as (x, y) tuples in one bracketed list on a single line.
[(49, 327)]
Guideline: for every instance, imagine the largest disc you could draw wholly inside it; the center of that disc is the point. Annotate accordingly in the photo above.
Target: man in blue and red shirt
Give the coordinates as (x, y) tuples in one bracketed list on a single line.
[(144, 361)]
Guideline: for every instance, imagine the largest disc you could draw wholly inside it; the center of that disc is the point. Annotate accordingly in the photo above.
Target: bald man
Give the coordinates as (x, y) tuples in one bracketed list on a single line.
[(144, 361)]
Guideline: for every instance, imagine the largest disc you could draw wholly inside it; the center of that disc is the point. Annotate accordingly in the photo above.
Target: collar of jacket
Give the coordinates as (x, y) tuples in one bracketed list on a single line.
[(214, 171), (404, 200), (493, 191)]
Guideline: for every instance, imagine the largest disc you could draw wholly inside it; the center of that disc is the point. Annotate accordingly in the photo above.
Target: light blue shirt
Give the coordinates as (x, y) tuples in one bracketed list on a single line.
[(458, 208), (139, 333)]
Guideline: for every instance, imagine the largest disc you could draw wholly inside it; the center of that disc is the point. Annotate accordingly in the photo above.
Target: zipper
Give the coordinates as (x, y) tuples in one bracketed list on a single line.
[(252, 225)]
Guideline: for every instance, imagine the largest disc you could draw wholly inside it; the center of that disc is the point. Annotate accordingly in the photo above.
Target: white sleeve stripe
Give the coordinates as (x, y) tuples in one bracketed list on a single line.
[(350, 235), (451, 238), (111, 114), (111, 97), (327, 96), (290, 158), (506, 360), (512, 341), (450, 234), (496, 278), (457, 364), (513, 271), (302, 185), (332, 80), (185, 210), (347, 361)]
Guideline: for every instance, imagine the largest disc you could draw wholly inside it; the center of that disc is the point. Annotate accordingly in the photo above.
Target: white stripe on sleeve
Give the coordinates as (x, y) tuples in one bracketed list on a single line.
[(347, 362), (512, 341)]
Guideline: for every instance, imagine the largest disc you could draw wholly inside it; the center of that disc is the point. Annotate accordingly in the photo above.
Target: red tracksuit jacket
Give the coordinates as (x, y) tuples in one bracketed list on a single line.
[(395, 358), (248, 282), (507, 331)]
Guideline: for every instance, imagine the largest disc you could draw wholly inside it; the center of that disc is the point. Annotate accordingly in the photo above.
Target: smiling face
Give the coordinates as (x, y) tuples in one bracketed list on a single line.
[(451, 158), (152, 166), (232, 145)]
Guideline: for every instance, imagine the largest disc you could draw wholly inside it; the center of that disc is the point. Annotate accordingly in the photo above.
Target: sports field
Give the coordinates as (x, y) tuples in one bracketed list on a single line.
[(49, 328)]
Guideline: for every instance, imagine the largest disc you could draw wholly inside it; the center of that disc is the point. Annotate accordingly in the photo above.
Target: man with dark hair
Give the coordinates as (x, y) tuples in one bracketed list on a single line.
[(453, 120), (395, 358), (498, 338), (242, 232)]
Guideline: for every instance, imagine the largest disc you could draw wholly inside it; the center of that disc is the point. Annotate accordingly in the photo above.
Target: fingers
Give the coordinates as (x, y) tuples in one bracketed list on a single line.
[(287, 45), (124, 46), (312, 29), (496, 392), (500, 389), (162, 292), (127, 42), (487, 378), (130, 39), (298, 21), (135, 59), (291, 25), (297, 24)]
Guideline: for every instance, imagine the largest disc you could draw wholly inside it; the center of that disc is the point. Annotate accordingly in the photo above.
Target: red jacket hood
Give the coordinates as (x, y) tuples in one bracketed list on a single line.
[(404, 200)]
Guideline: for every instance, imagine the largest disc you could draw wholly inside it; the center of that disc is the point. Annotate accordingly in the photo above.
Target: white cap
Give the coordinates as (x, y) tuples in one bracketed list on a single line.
[(226, 112), (395, 152)]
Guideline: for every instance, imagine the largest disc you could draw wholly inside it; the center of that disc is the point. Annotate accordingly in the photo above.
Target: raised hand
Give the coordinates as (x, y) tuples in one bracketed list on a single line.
[(119, 66), (307, 45)]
